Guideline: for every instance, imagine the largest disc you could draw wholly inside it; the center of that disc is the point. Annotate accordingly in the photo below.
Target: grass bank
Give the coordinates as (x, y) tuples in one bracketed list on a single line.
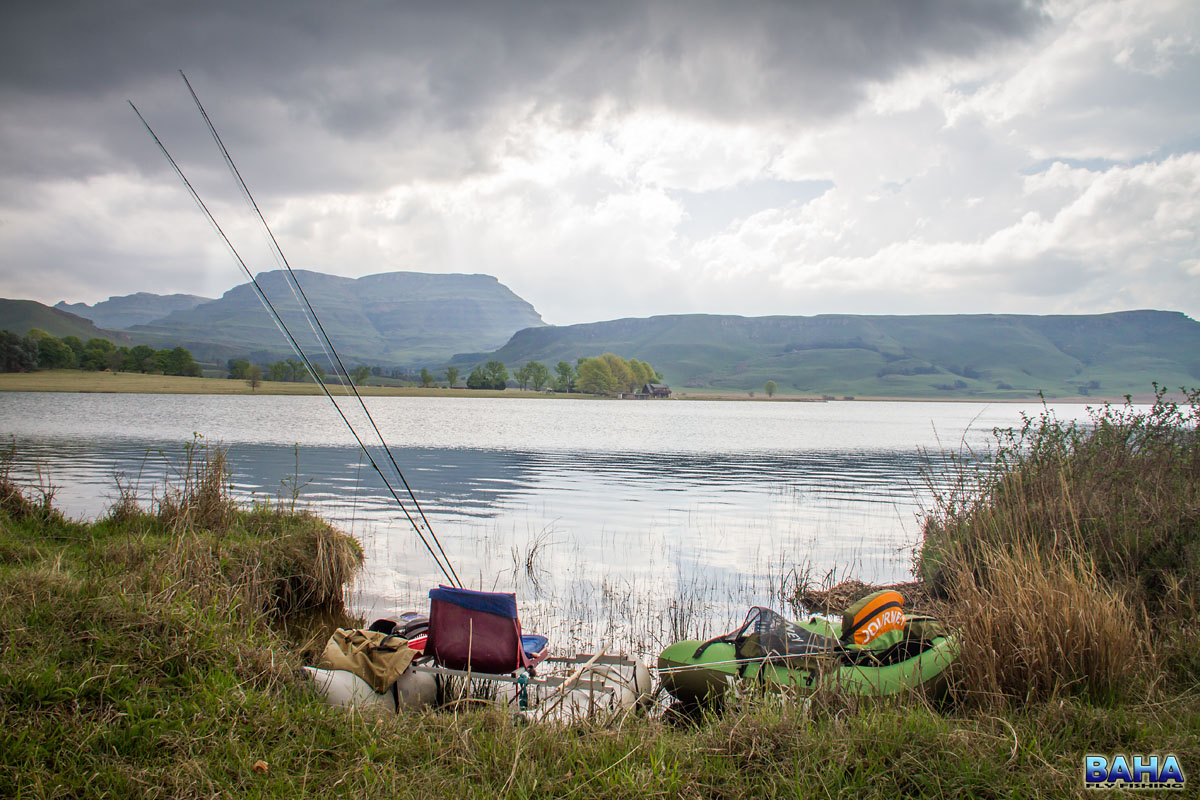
[(152, 653)]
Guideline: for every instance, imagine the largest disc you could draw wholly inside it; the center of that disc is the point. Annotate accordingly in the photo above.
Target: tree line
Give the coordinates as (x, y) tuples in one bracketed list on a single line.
[(611, 374), (605, 374), (39, 350), (287, 370)]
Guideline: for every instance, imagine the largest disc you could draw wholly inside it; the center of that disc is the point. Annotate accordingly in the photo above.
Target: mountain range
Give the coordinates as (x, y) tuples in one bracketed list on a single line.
[(393, 318), (132, 309), (418, 319)]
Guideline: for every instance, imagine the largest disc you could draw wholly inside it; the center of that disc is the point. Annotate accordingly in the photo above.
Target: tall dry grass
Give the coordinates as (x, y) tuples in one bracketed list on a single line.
[(1123, 488), (32, 503), (1034, 625), (1070, 551), (200, 495), (271, 560)]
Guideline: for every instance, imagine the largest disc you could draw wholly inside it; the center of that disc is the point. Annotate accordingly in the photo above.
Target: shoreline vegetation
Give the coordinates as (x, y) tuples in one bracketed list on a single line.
[(153, 652), (86, 382)]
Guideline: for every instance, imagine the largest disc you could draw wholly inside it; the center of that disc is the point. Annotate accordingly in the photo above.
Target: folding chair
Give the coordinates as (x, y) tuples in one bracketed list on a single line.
[(477, 635), (479, 632)]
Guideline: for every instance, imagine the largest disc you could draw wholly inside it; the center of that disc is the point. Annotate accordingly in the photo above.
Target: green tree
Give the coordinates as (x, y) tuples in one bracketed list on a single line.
[(140, 359), (319, 370), (426, 378), (476, 380), (76, 346), (623, 380), (565, 380), (17, 353), (279, 371), (496, 374), (298, 371), (524, 375), (643, 373), (95, 354), (118, 360), (360, 375), (54, 353), (770, 388), (254, 376), (539, 376), (451, 376), (492, 375), (595, 377), (239, 369), (178, 361)]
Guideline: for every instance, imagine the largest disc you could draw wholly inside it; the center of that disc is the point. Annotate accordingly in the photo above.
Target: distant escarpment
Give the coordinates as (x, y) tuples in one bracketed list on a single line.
[(935, 356)]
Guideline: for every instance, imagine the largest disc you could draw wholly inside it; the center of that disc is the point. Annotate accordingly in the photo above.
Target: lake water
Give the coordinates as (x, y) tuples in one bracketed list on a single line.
[(620, 523)]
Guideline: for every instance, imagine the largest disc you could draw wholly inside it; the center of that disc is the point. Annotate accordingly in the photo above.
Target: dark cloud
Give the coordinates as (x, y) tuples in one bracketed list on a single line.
[(349, 94)]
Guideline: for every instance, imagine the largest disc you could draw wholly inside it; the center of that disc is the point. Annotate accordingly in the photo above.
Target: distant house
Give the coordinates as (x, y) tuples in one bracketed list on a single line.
[(655, 390)]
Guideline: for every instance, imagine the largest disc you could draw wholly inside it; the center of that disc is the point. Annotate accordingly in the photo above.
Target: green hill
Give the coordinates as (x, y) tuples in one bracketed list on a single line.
[(890, 356), (19, 316), (391, 318)]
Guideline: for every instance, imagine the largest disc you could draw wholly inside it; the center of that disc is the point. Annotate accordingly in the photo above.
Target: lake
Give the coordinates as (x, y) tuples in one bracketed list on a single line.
[(627, 523)]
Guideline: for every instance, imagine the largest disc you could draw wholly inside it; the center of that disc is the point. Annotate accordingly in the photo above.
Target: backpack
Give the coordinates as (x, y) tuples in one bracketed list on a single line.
[(376, 657), (877, 613)]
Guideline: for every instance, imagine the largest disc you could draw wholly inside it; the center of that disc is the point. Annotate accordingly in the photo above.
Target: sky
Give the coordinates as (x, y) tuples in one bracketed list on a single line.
[(617, 159)]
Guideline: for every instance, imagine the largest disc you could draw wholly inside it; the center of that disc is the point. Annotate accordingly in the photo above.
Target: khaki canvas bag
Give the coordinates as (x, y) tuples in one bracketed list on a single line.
[(376, 657)]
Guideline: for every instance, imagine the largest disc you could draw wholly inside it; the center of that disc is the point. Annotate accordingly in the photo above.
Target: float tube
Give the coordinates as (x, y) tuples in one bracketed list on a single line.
[(896, 655)]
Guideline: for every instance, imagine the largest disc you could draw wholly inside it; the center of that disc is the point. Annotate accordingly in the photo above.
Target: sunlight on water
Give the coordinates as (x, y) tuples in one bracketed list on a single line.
[(619, 524)]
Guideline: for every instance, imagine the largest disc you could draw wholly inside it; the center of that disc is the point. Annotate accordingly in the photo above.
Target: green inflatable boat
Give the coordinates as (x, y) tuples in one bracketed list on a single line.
[(810, 655)]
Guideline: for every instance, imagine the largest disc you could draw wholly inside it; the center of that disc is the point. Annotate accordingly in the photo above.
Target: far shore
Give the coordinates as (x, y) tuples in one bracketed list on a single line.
[(82, 382)]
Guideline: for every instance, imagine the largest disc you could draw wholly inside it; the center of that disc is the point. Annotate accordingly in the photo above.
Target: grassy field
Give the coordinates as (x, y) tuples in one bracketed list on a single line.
[(73, 380), (153, 653)]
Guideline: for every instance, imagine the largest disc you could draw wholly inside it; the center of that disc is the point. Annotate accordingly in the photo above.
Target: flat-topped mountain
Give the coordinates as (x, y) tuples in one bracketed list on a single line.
[(389, 318), (891, 356), (128, 310)]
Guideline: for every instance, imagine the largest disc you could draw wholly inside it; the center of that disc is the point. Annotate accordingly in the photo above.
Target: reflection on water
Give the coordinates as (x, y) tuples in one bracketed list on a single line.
[(603, 516)]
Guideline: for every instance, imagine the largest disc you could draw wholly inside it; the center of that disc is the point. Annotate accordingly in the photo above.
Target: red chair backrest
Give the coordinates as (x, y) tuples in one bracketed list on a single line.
[(466, 638)]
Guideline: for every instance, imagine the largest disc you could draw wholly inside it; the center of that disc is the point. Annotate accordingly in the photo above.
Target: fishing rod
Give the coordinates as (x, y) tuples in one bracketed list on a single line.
[(446, 569), (323, 338)]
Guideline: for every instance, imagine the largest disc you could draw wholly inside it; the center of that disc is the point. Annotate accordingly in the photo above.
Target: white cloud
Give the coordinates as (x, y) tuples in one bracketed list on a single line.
[(1131, 229)]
